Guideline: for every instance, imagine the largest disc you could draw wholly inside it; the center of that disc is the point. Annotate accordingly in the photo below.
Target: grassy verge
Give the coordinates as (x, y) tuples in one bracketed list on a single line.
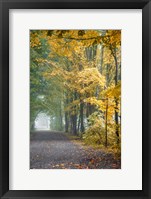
[(115, 149)]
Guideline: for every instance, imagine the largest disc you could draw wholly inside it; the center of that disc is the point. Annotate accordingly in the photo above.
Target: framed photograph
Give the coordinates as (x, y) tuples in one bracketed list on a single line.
[(75, 99)]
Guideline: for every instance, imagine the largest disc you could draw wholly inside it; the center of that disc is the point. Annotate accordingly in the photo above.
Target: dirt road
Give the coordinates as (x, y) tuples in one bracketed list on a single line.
[(54, 150)]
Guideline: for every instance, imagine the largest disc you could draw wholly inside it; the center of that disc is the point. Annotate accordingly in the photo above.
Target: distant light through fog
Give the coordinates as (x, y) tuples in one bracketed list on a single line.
[(42, 122)]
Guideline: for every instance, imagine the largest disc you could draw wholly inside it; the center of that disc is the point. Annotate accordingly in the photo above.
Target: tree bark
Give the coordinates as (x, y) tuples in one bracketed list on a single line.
[(74, 124), (106, 123), (101, 62), (66, 114), (60, 116), (81, 116), (74, 117), (116, 102), (66, 122)]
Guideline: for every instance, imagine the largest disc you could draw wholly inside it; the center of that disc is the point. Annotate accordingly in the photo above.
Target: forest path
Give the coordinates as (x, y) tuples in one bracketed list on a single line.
[(54, 150)]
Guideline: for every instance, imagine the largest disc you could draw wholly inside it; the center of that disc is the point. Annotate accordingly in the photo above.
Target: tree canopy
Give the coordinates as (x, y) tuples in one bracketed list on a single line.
[(75, 78)]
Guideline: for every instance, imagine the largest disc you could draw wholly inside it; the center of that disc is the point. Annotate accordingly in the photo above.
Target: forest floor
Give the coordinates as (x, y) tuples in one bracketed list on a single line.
[(55, 150)]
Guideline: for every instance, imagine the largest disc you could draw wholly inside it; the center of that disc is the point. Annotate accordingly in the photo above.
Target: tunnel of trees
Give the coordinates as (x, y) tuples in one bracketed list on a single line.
[(75, 79)]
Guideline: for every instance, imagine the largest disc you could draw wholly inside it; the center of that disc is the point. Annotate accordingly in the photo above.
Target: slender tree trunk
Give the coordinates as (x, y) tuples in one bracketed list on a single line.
[(116, 101), (101, 62), (116, 120), (78, 125), (66, 115), (70, 123), (74, 117), (74, 126), (60, 116), (107, 75), (106, 118), (106, 113), (70, 116), (101, 70), (87, 110), (81, 116), (66, 122)]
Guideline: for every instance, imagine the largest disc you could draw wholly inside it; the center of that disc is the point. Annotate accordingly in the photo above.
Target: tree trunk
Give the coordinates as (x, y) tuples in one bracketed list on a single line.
[(74, 124), (101, 62), (116, 102), (81, 116), (107, 75), (106, 122), (78, 125), (66, 115), (116, 121), (60, 116), (66, 122)]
